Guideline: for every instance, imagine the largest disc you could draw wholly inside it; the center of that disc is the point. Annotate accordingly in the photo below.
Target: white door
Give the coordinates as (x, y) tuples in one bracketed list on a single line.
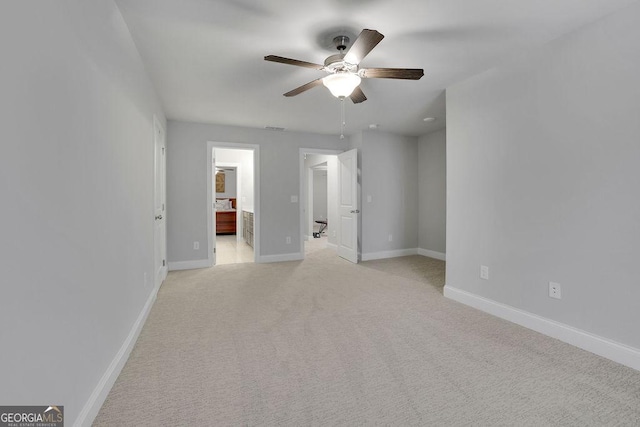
[(348, 205), (160, 231)]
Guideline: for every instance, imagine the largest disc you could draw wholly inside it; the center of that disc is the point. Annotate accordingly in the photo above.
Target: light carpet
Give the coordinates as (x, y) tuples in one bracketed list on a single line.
[(325, 342)]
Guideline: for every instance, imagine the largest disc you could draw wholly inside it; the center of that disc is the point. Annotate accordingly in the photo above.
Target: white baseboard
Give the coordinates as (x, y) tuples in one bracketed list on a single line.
[(604, 347), (264, 259), (389, 254), (432, 254), (92, 407), (189, 265)]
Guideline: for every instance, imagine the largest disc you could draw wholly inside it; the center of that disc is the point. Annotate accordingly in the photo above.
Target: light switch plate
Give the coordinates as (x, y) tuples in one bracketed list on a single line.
[(484, 272)]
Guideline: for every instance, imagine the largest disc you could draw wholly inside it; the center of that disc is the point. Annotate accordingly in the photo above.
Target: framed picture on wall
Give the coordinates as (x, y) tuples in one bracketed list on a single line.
[(220, 182)]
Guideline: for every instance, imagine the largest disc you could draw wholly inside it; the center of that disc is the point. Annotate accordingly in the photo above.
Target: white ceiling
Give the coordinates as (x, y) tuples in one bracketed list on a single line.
[(205, 57)]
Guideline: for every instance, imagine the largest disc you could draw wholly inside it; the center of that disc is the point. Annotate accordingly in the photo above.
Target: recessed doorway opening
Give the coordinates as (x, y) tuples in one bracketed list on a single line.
[(319, 208), (233, 199)]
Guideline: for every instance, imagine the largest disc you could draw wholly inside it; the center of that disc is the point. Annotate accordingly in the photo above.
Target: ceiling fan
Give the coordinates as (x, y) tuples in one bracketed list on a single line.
[(344, 69)]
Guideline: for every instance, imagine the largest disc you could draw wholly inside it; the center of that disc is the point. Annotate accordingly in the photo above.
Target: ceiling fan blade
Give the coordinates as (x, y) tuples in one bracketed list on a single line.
[(366, 41), (392, 73), (283, 60), (303, 88), (357, 96)]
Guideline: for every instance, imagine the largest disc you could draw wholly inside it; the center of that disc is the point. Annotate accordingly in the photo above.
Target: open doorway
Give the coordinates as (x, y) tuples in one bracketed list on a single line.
[(318, 201), (231, 247), (233, 193), (319, 191)]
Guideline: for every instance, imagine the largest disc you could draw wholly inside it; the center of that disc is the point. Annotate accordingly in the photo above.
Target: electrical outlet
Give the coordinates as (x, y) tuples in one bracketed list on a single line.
[(484, 272), (369, 199), (391, 237), (294, 199), (555, 291), (196, 246), (288, 240)]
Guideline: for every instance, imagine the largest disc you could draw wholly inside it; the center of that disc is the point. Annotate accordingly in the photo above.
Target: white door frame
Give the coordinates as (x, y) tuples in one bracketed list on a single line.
[(160, 267), (304, 190), (256, 195)]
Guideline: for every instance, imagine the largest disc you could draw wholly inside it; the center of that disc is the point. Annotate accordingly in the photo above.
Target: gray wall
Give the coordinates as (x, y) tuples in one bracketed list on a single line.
[(432, 188), (543, 174), (279, 177), (389, 174), (76, 184)]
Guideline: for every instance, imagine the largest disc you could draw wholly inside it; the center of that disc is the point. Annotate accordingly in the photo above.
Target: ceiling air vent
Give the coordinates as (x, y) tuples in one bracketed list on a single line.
[(274, 128)]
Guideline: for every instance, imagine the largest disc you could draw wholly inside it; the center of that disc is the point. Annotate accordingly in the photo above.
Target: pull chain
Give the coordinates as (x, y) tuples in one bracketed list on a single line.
[(343, 120)]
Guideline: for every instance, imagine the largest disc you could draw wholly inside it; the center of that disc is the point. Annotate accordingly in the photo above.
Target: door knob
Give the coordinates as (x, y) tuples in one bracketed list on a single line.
[(159, 217), (356, 211)]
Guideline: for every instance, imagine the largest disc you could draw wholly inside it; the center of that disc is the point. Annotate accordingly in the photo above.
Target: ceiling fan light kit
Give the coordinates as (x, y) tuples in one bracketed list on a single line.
[(342, 84)]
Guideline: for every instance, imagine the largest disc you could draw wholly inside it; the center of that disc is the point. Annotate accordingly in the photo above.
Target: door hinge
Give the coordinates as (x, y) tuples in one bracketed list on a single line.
[(163, 263), (214, 250)]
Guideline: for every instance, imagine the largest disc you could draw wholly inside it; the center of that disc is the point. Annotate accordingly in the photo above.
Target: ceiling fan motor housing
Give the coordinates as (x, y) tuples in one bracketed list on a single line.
[(341, 42), (336, 64)]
